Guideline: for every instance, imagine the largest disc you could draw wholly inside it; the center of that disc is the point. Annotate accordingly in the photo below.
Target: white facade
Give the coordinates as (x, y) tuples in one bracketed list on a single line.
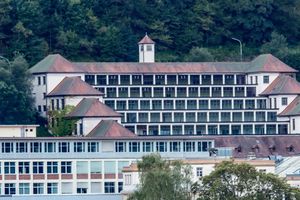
[(18, 130), (146, 53)]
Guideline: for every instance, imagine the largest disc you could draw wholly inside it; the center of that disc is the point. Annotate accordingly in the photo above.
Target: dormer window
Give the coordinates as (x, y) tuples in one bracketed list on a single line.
[(284, 101)]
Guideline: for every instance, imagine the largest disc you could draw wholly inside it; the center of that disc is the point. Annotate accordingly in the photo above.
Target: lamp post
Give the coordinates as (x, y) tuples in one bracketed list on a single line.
[(6, 60), (241, 47)]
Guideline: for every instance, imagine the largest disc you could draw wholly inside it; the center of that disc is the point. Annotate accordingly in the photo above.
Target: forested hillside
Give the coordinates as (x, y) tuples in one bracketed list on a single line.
[(184, 30)]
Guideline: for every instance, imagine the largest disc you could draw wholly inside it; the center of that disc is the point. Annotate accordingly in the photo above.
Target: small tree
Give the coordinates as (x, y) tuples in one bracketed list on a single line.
[(197, 54), (243, 182), (162, 180), (61, 125)]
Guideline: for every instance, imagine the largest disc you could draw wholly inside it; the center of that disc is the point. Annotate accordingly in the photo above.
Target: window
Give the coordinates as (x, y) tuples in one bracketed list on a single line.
[(202, 117), (39, 80), (180, 104), (171, 79), (10, 188), (131, 117), (113, 79), (111, 92), (266, 79), (35, 147), (96, 167), (125, 79), (149, 48), (52, 188), (24, 188), (79, 146), (134, 147), (120, 186), (148, 79), (193, 92), (24, 167), (101, 79), (123, 92), (38, 167), (136, 80), (199, 171), (161, 146), (227, 91), (147, 146), (82, 188), (294, 124), (214, 117), (215, 104), (189, 146), (135, 92), (52, 167), (175, 147), (195, 79), (284, 101), (64, 147), (82, 167), (156, 104), (38, 188), (206, 79), (159, 79), (7, 147), (145, 105), (225, 116), (170, 92), (120, 146), (109, 187), (66, 167), (90, 79), (9, 168), (181, 92), (21, 147), (50, 147), (128, 179), (183, 79)]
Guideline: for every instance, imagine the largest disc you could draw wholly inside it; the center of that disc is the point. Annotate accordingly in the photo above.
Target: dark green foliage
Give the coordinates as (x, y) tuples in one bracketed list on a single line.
[(243, 182), (163, 180), (101, 30), (197, 54), (15, 93)]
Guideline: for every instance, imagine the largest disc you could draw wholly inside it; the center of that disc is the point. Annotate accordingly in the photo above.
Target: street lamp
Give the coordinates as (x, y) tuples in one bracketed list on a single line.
[(241, 47), (6, 60)]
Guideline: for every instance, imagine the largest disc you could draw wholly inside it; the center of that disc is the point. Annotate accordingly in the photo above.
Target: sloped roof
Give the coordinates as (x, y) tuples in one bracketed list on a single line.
[(146, 40), (263, 63), (54, 63), (74, 86), (92, 107), (268, 63), (261, 146), (110, 129), (293, 109), (283, 84)]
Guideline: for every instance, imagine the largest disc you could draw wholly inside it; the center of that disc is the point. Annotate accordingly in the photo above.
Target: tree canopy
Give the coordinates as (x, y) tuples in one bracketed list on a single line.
[(101, 30), (15, 92), (243, 182), (162, 180)]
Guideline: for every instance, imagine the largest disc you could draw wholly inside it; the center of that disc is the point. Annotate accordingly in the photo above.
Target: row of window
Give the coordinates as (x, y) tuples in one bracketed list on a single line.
[(155, 117), (66, 188), (211, 129), (192, 104), (176, 146), (63, 167), (165, 79), (48, 147), (41, 80), (158, 92)]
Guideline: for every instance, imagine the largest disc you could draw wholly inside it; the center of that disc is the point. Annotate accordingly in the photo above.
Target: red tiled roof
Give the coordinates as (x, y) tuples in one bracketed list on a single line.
[(110, 129), (268, 63), (92, 107), (146, 40), (74, 86), (283, 84), (54, 63), (262, 63), (293, 109)]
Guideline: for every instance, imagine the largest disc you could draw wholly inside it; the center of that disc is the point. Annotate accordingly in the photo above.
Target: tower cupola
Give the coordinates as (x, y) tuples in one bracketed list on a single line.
[(146, 50)]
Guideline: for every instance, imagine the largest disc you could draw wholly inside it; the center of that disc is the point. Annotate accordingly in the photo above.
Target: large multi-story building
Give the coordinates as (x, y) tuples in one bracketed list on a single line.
[(187, 98), (199, 112)]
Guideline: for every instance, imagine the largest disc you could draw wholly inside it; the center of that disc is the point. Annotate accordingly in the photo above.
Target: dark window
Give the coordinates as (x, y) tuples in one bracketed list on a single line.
[(90, 79), (195, 79), (266, 79), (229, 79), (136, 79), (101, 79), (135, 92), (159, 79), (170, 92), (284, 101), (218, 79), (113, 80), (171, 79), (111, 92), (251, 91), (206, 79), (183, 79), (240, 79), (148, 79), (125, 79)]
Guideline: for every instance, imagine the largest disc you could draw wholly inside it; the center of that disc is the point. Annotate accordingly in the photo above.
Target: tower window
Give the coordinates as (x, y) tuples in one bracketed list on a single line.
[(149, 48), (284, 101), (266, 79)]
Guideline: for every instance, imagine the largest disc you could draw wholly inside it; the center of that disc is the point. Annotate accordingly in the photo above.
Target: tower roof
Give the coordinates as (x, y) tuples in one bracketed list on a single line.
[(74, 86), (146, 40), (92, 107)]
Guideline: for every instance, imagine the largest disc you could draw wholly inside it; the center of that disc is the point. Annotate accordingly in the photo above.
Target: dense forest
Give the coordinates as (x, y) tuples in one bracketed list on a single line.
[(184, 30)]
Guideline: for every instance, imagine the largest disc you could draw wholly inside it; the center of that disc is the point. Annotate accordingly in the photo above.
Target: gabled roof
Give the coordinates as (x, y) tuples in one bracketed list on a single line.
[(268, 63), (92, 107), (54, 63), (146, 40), (283, 84), (111, 129), (74, 86), (293, 109)]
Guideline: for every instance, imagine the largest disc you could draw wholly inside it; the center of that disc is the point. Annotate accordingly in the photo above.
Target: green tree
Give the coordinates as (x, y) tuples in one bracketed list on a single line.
[(15, 93), (61, 126), (197, 54), (277, 46), (164, 180), (242, 182)]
